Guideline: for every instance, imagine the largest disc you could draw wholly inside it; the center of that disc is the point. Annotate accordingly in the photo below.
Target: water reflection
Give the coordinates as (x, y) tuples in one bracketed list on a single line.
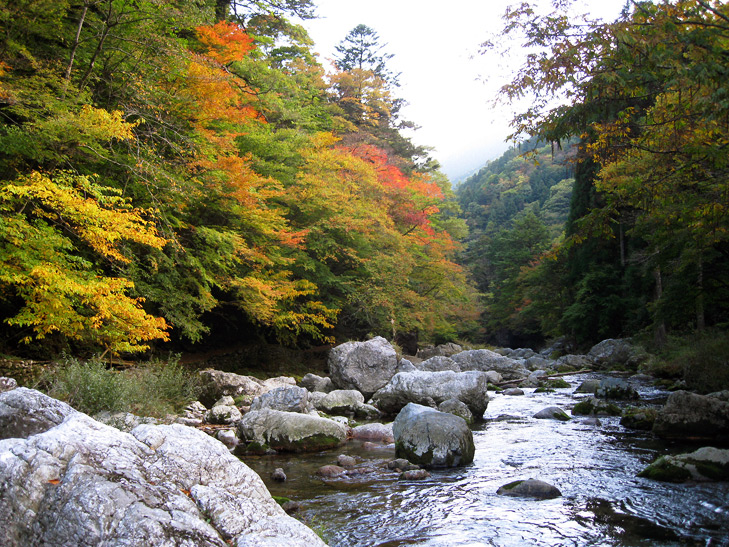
[(595, 467)]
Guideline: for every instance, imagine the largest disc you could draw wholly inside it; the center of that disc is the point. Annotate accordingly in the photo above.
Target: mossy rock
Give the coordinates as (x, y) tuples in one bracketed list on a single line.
[(557, 383), (596, 407), (639, 418), (492, 387), (543, 389), (705, 464), (280, 499)]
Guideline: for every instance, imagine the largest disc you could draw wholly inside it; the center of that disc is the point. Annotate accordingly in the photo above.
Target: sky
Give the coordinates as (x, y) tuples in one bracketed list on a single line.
[(448, 85)]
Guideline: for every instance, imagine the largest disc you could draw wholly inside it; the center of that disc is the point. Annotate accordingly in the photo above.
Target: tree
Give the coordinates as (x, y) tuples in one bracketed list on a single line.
[(647, 95), (361, 50)]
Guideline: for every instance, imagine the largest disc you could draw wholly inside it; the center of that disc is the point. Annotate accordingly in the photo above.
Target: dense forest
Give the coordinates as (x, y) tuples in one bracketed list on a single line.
[(186, 170), (182, 172), (646, 244)]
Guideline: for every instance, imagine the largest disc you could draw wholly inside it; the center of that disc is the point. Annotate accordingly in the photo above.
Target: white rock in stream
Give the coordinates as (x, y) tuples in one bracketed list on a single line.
[(68, 480)]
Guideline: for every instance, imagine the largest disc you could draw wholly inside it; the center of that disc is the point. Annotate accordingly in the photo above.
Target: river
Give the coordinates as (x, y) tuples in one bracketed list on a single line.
[(595, 466)]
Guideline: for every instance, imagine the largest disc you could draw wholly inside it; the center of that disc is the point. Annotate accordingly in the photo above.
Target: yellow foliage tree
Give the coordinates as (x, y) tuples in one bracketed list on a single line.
[(52, 227)]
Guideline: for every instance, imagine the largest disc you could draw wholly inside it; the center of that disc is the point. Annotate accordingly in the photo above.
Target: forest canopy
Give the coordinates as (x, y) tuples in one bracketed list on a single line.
[(174, 170), (645, 98)]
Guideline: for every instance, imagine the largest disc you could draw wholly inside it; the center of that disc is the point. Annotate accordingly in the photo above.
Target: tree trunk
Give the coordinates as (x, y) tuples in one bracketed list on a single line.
[(700, 319), (222, 10), (659, 329)]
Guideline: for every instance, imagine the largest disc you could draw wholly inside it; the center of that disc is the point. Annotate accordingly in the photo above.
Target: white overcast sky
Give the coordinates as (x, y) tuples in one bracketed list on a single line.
[(435, 46)]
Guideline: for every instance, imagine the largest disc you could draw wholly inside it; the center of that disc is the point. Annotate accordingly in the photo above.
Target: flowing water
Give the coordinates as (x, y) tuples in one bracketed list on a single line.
[(594, 466)]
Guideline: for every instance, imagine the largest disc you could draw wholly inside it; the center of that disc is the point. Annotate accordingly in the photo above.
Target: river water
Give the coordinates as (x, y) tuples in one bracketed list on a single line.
[(594, 466)]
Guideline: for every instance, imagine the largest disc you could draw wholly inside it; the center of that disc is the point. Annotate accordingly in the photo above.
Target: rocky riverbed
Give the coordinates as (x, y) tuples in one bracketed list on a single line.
[(500, 448)]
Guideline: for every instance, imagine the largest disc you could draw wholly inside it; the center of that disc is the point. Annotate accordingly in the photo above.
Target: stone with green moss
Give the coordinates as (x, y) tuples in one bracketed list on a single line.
[(639, 418), (596, 407), (705, 464), (291, 431), (557, 383)]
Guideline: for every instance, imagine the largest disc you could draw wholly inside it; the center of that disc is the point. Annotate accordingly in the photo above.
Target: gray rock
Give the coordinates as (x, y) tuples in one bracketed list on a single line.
[(485, 360), (123, 421), (535, 378), (721, 395), (530, 488), (457, 408), (225, 400), (340, 401), (552, 413), (214, 384), (223, 415), (588, 386), (446, 350), (227, 437), (705, 464), (331, 471), (374, 432), (6, 384), (279, 475), (80, 482), (401, 464), (432, 388), (431, 438), (313, 383), (286, 399), (596, 407), (572, 362), (25, 412), (513, 391), (193, 415), (291, 431), (405, 366), (278, 381), (439, 363), (614, 353), (414, 475), (364, 366), (346, 461), (615, 388), (537, 362), (367, 412), (494, 377), (688, 416), (591, 421), (517, 353)]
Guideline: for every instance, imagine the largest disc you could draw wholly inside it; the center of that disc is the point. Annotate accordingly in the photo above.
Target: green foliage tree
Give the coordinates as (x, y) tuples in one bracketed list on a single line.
[(646, 95)]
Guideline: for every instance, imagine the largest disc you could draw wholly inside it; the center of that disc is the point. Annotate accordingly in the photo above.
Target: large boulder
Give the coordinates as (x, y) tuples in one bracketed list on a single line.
[(616, 353), (688, 416), (615, 388), (705, 464), (431, 438), (75, 481), (291, 431), (484, 360), (287, 399), (215, 384), (364, 366), (424, 387), (346, 402), (439, 363)]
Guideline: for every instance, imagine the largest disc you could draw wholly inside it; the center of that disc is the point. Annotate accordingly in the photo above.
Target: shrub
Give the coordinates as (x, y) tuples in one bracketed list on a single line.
[(152, 389)]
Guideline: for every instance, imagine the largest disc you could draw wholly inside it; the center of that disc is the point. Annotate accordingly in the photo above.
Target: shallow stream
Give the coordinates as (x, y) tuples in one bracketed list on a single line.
[(594, 466)]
